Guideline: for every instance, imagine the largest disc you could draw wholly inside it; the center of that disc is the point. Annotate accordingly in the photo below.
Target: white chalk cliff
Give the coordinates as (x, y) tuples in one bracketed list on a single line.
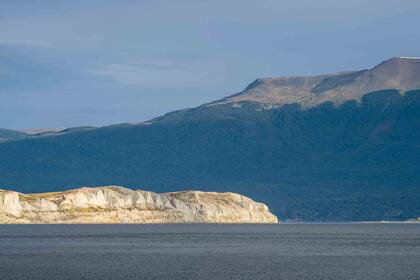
[(113, 204)]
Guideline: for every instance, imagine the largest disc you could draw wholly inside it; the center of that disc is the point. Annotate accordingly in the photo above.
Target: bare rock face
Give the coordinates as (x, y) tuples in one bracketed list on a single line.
[(113, 204), (401, 73)]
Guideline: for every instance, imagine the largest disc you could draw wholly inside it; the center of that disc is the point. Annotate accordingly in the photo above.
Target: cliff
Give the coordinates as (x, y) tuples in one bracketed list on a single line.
[(114, 204)]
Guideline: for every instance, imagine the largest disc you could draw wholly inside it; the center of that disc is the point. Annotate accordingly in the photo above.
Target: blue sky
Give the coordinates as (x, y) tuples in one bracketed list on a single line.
[(98, 62)]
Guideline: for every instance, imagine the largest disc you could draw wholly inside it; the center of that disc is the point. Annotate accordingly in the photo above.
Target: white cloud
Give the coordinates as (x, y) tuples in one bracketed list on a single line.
[(160, 74), (26, 43)]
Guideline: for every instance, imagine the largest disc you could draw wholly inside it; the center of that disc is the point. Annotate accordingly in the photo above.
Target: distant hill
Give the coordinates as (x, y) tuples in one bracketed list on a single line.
[(8, 134), (34, 131), (327, 148)]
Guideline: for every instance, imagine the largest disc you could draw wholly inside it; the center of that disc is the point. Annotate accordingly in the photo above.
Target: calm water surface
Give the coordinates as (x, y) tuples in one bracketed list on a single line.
[(284, 251)]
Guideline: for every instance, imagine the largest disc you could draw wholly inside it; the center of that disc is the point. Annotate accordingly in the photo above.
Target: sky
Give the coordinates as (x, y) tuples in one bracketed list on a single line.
[(100, 62)]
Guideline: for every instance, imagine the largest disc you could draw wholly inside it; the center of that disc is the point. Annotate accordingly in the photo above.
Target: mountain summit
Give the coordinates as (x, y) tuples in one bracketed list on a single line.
[(401, 73)]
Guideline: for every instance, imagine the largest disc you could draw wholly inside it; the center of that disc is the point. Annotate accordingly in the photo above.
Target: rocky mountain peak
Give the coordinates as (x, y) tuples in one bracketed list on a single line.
[(401, 73)]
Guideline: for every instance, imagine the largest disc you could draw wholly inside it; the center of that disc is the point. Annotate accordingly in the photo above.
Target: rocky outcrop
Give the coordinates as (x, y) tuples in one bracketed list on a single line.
[(113, 204)]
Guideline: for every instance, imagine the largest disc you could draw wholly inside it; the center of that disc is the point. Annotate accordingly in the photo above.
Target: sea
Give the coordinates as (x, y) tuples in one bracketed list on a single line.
[(211, 251)]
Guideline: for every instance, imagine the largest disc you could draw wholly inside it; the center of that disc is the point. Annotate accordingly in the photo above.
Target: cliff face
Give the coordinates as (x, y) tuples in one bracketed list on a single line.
[(114, 204)]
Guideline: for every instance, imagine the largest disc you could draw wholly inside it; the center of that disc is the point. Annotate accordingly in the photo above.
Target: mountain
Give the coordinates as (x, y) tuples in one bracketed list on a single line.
[(401, 73), (114, 204), (334, 147), (8, 135), (35, 131)]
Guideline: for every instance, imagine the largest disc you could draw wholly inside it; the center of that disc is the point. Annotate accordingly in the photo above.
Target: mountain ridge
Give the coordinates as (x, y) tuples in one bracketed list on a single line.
[(396, 73), (318, 83), (9, 135)]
